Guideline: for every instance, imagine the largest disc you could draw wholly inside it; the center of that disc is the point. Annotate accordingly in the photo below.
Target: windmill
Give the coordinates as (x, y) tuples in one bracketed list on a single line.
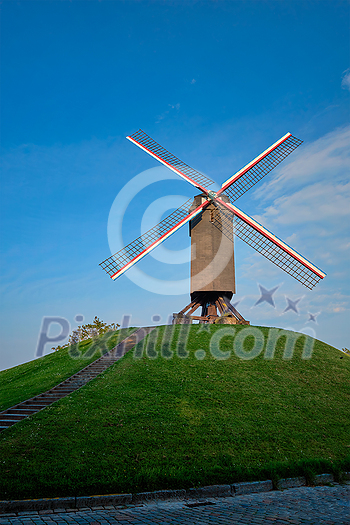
[(213, 221)]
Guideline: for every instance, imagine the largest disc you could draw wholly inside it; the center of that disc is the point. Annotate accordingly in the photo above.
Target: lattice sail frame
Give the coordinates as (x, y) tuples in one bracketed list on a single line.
[(267, 244), (157, 151), (253, 172), (117, 264)]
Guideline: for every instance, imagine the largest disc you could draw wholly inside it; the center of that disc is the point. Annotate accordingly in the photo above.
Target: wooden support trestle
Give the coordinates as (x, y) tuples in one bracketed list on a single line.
[(216, 308)]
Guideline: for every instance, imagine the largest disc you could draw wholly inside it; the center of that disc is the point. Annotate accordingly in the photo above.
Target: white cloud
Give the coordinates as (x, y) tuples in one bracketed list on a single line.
[(327, 159), (319, 201), (311, 195), (336, 302), (345, 82)]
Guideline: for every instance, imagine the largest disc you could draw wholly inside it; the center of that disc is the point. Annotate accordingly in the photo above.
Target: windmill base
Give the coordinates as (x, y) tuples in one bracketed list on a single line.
[(215, 309)]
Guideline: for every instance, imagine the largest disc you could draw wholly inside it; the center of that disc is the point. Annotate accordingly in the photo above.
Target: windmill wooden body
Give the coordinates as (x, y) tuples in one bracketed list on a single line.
[(214, 221)]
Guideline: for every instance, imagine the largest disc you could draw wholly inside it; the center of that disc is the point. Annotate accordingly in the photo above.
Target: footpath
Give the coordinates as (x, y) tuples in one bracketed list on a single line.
[(322, 505), (16, 413)]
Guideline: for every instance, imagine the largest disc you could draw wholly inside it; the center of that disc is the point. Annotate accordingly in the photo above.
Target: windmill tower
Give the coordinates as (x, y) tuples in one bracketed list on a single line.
[(213, 221), (212, 266)]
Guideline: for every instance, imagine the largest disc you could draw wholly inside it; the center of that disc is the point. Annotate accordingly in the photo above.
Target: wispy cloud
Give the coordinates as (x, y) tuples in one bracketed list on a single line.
[(163, 115), (327, 160), (319, 201), (311, 195)]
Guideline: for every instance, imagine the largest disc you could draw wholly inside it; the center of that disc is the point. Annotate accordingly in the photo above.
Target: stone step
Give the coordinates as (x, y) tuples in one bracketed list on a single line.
[(63, 390), (37, 406), (39, 399), (50, 400), (19, 410), (10, 415), (34, 405), (47, 400), (47, 396), (66, 388)]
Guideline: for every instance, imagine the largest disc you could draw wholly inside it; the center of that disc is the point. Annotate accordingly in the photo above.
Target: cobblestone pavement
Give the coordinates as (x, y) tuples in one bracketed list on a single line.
[(303, 505)]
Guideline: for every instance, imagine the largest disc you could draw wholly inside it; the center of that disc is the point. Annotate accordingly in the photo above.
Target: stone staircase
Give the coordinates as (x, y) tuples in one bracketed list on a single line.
[(12, 415)]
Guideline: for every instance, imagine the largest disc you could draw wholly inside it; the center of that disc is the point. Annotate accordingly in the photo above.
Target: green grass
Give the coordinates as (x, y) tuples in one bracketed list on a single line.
[(152, 423), (30, 379)]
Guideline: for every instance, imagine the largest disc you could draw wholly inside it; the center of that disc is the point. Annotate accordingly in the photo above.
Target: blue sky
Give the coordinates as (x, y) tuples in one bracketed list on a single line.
[(214, 82)]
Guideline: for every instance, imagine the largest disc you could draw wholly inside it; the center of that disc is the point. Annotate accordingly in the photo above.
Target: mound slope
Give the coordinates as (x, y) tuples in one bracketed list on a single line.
[(30, 379), (202, 415)]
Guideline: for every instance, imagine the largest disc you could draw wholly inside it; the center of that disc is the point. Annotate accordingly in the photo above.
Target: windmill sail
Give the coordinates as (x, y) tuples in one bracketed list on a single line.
[(253, 172), (157, 151), (270, 246), (121, 261), (246, 228)]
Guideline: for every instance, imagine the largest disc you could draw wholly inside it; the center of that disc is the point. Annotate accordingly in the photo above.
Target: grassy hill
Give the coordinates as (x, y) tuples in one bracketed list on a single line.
[(154, 421), (30, 379)]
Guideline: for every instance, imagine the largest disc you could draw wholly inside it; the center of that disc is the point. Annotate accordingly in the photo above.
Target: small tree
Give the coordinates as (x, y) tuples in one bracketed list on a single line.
[(88, 331)]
